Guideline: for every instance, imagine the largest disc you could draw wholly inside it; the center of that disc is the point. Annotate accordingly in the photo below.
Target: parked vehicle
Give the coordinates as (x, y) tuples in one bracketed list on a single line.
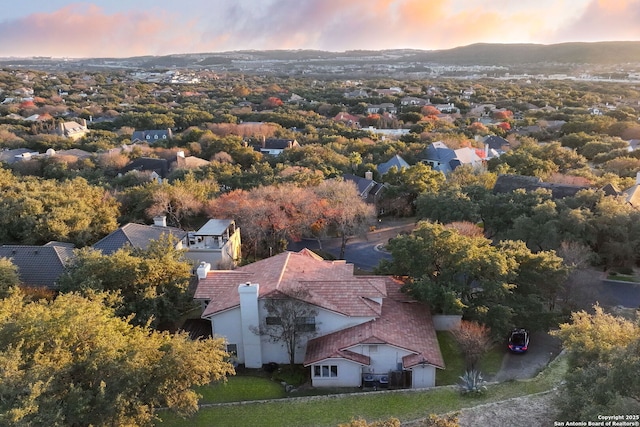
[(519, 340)]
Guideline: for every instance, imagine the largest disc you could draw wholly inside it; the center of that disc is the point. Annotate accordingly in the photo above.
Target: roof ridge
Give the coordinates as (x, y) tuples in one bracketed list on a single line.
[(284, 269)]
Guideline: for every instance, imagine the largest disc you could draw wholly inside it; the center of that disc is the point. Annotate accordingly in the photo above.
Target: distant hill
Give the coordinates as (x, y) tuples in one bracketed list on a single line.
[(510, 54), (516, 57)]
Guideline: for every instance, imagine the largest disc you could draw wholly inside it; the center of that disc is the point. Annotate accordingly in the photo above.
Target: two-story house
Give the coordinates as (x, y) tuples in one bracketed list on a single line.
[(364, 326)]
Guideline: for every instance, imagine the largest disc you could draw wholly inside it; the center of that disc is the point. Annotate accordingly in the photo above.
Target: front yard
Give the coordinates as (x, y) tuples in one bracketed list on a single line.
[(329, 410)]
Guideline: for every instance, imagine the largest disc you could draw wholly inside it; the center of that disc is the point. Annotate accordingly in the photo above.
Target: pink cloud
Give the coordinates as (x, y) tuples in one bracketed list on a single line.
[(603, 20)]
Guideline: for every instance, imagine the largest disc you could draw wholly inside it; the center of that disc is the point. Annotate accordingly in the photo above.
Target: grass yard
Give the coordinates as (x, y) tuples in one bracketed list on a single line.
[(329, 411), (455, 366), (241, 388)]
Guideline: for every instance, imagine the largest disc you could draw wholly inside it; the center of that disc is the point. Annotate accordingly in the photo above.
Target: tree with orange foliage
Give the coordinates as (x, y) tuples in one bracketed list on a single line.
[(272, 102), (430, 110)]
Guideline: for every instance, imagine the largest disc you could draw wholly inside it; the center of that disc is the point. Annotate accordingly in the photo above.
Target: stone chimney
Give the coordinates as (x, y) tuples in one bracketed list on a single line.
[(368, 175), (160, 221), (250, 322)]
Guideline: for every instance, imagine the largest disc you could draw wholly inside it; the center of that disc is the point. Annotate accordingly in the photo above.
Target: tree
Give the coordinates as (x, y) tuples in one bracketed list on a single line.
[(406, 184), (38, 211), (474, 340), (446, 270), (150, 285), (290, 320), (346, 212), (603, 351), (8, 276), (72, 362)]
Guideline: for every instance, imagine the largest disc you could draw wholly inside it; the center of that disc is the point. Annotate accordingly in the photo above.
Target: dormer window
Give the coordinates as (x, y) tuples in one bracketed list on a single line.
[(164, 136), (148, 136), (155, 136)]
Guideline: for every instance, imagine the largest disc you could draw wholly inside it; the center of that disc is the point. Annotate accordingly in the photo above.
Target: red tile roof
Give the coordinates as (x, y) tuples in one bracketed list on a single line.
[(330, 284), (403, 323)]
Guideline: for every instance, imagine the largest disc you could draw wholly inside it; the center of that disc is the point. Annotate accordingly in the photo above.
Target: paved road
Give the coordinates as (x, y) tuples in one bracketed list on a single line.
[(362, 251)]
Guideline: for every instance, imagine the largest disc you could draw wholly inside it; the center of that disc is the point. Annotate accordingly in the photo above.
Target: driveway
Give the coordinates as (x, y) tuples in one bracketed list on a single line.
[(542, 349)]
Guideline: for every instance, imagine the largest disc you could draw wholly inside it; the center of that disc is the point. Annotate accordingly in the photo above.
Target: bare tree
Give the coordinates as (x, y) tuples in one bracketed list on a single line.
[(289, 321), (474, 340)]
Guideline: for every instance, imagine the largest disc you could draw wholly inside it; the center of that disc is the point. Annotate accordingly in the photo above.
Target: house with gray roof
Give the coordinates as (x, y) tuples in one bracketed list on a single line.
[(139, 236), (507, 183), (151, 136), (39, 266), (443, 159), (368, 189), (396, 161)]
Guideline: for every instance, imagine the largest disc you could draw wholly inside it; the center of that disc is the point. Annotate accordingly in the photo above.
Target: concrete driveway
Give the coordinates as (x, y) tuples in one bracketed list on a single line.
[(542, 349)]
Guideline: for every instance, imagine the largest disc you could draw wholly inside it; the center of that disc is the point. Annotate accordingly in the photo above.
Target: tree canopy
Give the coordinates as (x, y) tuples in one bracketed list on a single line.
[(73, 362)]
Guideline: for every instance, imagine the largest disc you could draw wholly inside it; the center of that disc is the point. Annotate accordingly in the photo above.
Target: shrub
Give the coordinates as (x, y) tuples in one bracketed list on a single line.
[(472, 383)]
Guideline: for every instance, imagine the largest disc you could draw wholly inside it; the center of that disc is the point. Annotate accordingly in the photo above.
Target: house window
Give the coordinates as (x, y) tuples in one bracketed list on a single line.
[(273, 321), (232, 349), (148, 136), (325, 371), (373, 349), (306, 324), (164, 136), (155, 136)]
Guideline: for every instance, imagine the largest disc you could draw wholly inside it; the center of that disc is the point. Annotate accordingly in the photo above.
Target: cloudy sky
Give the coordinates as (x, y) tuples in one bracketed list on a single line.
[(120, 28)]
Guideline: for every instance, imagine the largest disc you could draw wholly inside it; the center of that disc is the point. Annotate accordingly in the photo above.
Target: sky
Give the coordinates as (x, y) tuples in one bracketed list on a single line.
[(123, 28)]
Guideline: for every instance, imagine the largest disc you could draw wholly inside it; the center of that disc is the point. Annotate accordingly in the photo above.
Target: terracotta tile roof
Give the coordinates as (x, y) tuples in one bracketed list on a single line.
[(404, 323), (331, 284)]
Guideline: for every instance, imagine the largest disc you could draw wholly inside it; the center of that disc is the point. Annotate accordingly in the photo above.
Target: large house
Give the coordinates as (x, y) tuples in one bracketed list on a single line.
[(72, 130), (151, 136), (444, 159), (216, 243), (363, 327)]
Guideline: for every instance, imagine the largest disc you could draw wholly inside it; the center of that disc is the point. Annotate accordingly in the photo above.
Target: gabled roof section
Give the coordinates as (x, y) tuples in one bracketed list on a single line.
[(403, 323), (439, 152), (159, 166), (496, 142), (136, 235), (331, 285), (39, 265), (364, 185), (396, 161)]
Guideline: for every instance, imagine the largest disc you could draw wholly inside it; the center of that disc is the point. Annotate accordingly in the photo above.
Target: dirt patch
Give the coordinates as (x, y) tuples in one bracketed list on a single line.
[(532, 410)]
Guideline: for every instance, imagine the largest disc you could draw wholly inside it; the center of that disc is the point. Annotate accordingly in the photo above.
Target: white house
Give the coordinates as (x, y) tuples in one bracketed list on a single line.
[(365, 328)]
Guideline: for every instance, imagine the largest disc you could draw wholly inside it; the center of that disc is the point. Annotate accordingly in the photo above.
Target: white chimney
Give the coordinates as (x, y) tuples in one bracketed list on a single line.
[(180, 154), (160, 221), (203, 270), (638, 178), (250, 322), (368, 175)]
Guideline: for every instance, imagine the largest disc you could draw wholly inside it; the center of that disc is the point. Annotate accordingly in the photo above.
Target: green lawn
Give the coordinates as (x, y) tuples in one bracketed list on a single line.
[(455, 366), (330, 411), (241, 388)]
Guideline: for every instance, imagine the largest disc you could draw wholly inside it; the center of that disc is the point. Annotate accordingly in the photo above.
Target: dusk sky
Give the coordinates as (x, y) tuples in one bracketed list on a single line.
[(121, 28)]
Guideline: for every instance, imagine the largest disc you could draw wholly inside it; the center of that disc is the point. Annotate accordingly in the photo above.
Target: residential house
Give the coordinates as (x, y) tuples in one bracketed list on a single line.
[(357, 93), (159, 168), (412, 100), (189, 162), (216, 243), (275, 146), (139, 236), (39, 266), (396, 161), (443, 159), (369, 190), (508, 183), (72, 130), (385, 107), (495, 146), (364, 327), (348, 119), (151, 136)]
